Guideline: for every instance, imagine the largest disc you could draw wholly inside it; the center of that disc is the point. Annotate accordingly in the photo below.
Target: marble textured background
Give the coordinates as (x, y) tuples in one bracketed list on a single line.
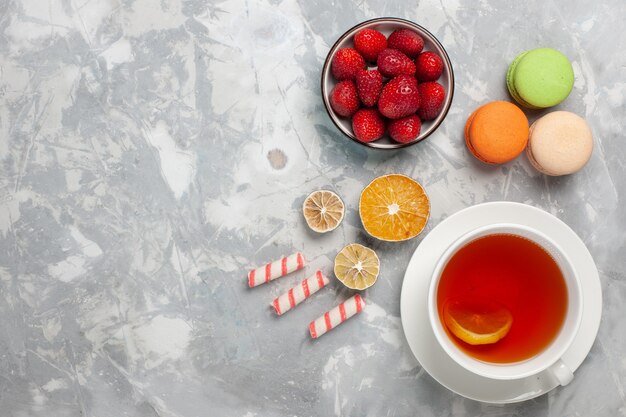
[(153, 151)]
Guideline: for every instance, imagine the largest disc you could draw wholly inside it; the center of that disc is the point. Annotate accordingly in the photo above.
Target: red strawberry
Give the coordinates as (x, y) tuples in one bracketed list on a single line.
[(369, 84), (429, 66), (346, 63), (432, 96), (369, 43), (392, 63), (344, 98), (405, 130), (407, 42), (368, 125), (399, 97)]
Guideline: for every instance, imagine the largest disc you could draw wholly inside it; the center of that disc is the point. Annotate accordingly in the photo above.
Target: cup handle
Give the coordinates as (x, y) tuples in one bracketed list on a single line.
[(561, 372)]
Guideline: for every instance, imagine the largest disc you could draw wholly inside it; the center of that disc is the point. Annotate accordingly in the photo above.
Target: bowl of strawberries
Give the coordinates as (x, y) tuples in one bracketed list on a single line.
[(387, 83)]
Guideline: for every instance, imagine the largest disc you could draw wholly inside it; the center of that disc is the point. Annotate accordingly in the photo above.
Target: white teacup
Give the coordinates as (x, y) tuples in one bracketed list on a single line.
[(550, 357)]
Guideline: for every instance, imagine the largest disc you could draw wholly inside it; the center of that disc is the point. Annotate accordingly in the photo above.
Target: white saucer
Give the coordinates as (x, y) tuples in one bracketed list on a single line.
[(414, 302)]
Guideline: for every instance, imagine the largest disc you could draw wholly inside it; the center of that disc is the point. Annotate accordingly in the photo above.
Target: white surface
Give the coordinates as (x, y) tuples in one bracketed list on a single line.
[(237, 84), (414, 312)]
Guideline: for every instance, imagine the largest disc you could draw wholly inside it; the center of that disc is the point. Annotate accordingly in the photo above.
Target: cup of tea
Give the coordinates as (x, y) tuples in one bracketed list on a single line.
[(505, 303)]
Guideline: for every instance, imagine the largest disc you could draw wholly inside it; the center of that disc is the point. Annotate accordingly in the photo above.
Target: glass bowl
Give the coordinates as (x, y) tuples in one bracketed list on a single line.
[(386, 25)]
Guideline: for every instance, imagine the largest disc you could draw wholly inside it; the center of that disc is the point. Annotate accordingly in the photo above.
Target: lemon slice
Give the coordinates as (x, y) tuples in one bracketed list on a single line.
[(323, 211), (394, 207), (357, 267), (478, 322)]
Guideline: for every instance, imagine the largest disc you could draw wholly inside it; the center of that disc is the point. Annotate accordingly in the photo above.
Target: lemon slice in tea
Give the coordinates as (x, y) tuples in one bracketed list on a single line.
[(477, 323), (323, 211), (394, 207), (357, 267)]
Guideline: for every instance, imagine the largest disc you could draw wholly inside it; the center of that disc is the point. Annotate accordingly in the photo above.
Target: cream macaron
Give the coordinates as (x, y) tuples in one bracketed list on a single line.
[(559, 143)]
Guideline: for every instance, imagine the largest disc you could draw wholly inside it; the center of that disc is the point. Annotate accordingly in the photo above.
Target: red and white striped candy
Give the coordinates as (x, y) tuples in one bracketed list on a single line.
[(276, 269), (299, 293), (336, 316)]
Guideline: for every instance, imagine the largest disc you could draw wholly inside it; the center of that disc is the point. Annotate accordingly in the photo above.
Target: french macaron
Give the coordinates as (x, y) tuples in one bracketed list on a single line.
[(540, 78), (560, 143), (496, 132)]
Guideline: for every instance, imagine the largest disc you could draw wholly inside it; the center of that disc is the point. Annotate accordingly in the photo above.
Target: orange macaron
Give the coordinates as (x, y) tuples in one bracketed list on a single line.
[(496, 132)]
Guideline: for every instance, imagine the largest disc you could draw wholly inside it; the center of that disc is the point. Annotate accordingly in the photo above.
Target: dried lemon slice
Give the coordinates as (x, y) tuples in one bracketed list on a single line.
[(323, 211), (478, 322), (394, 207), (357, 267)]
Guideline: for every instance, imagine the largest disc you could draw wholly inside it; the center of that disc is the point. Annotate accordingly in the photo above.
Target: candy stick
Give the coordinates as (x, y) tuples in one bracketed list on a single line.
[(276, 269), (336, 316), (299, 293)]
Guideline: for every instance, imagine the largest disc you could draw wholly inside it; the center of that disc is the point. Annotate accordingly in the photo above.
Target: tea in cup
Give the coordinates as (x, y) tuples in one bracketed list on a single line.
[(505, 303)]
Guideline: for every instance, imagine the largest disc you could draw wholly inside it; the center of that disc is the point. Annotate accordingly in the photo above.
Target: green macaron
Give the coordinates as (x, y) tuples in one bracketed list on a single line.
[(540, 78)]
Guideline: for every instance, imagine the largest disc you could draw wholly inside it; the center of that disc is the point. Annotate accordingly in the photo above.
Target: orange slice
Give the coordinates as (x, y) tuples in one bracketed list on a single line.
[(357, 267), (479, 322), (394, 207), (323, 211)]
